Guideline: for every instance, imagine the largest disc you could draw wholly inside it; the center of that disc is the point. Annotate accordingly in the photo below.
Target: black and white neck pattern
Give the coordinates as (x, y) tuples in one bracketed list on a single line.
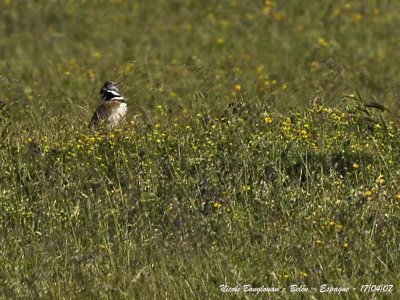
[(110, 92)]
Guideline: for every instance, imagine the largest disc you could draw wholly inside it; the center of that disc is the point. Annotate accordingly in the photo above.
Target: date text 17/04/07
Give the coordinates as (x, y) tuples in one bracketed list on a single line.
[(380, 288)]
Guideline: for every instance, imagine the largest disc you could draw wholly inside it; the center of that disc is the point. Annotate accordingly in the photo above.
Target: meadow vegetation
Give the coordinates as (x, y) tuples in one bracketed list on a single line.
[(261, 147)]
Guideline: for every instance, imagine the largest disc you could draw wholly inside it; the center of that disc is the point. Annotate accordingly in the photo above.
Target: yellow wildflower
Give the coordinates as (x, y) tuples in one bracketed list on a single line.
[(217, 205), (314, 65), (220, 41), (368, 193), (356, 17), (246, 188), (380, 179), (96, 54), (260, 68), (303, 274), (322, 42), (267, 118)]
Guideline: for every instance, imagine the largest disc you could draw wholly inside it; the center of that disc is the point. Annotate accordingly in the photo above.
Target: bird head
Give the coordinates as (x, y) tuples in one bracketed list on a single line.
[(109, 91)]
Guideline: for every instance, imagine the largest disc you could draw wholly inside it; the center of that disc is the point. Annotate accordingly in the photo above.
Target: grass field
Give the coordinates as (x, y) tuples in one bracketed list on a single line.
[(249, 155)]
